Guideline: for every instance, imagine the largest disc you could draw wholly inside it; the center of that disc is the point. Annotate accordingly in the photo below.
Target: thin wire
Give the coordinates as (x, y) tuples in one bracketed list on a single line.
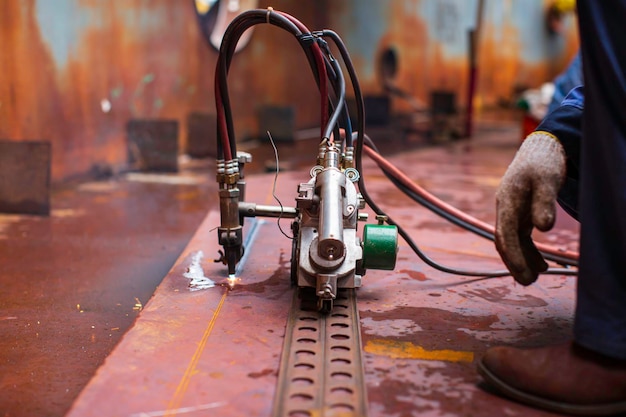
[(269, 135)]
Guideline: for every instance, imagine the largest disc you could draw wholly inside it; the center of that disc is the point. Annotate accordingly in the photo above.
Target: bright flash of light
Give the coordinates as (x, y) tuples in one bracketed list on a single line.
[(232, 280)]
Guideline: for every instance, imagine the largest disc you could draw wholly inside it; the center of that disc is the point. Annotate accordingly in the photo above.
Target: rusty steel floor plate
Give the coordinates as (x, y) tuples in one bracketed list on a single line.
[(217, 352)]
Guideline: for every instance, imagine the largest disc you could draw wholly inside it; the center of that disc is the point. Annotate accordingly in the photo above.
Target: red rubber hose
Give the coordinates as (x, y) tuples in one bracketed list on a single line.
[(407, 182)]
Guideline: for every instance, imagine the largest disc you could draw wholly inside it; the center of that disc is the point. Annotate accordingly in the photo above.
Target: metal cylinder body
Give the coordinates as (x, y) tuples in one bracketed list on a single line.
[(330, 243), (229, 208), (259, 210)]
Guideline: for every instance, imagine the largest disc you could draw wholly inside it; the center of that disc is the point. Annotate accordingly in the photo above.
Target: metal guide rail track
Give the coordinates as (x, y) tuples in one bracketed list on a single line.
[(321, 370)]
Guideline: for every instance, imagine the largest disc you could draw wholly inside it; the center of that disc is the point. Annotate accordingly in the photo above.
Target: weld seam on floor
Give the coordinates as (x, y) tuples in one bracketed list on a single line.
[(183, 385)]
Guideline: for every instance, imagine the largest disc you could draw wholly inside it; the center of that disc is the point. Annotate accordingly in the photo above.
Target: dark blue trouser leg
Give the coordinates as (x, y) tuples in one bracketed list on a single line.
[(600, 323)]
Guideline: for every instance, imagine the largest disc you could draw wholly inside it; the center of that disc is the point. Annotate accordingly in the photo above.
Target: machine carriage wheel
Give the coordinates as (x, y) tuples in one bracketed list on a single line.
[(324, 305)]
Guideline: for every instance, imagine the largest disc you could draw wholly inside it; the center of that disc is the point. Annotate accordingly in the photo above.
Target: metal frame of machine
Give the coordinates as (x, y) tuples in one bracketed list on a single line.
[(327, 252)]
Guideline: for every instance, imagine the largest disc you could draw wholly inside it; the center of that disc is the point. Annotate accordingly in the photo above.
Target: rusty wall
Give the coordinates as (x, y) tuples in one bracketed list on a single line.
[(430, 38), (75, 71)]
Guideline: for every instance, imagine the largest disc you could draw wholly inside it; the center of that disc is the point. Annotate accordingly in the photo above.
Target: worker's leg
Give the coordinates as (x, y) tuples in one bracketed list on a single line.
[(600, 323), (588, 377)]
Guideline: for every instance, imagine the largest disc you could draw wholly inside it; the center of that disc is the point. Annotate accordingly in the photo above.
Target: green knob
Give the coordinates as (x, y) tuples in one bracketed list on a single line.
[(380, 246)]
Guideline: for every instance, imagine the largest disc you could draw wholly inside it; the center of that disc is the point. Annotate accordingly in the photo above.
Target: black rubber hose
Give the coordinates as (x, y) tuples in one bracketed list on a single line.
[(358, 95), (345, 114), (234, 31), (338, 108)]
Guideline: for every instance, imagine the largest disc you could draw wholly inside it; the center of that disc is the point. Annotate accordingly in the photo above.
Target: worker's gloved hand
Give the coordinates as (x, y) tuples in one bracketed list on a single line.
[(526, 199)]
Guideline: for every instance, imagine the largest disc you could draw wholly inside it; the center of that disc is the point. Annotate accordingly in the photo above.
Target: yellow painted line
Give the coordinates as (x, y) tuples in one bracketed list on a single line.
[(407, 350), (183, 385)]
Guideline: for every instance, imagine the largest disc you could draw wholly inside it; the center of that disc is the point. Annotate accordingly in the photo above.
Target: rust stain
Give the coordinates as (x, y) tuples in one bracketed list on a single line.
[(416, 275), (410, 397), (125, 60), (274, 287), (499, 295), (440, 329), (395, 396), (425, 66), (261, 374), (26, 67)]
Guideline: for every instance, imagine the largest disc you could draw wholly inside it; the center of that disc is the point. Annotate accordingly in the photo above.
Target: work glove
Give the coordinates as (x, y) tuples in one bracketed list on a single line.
[(526, 198)]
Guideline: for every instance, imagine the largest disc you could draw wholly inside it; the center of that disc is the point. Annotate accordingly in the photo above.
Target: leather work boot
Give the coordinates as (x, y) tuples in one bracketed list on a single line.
[(564, 378)]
